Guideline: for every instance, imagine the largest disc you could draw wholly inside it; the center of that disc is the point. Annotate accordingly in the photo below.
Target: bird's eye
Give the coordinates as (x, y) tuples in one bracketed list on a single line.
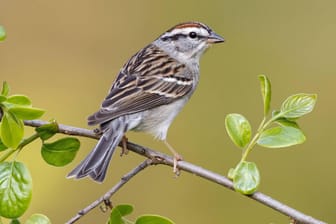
[(192, 35)]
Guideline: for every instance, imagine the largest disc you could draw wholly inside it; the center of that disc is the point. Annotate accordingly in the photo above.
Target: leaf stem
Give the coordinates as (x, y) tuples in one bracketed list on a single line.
[(7, 154), (28, 140), (22, 144), (263, 125), (250, 147)]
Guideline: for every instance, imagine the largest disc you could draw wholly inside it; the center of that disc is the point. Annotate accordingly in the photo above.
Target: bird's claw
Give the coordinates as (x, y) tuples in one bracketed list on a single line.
[(176, 170)]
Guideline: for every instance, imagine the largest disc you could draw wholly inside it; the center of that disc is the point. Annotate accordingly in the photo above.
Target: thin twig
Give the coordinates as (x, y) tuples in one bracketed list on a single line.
[(65, 129), (106, 197), (191, 168)]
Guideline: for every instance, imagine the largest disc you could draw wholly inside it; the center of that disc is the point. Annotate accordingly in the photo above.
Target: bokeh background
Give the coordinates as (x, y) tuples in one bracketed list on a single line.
[(65, 54)]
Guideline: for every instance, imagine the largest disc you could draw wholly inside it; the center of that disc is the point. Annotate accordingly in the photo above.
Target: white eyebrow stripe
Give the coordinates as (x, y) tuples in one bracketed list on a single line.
[(187, 30)]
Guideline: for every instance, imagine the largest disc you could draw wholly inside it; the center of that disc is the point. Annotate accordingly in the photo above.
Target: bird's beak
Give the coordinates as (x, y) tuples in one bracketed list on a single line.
[(215, 38)]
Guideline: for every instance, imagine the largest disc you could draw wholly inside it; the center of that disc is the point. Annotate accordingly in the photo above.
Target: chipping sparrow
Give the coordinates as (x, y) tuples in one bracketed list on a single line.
[(150, 90)]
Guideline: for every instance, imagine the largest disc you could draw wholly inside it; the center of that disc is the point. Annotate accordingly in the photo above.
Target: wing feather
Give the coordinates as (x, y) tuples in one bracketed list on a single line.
[(148, 80)]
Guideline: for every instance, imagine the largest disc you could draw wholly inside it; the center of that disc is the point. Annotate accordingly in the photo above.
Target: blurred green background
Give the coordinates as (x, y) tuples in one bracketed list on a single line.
[(65, 55)]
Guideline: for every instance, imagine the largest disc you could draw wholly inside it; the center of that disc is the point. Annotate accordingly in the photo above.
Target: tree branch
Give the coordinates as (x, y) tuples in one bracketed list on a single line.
[(106, 197), (160, 158)]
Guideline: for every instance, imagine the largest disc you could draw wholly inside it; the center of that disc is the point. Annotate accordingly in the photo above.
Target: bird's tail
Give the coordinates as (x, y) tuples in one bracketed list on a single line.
[(96, 163)]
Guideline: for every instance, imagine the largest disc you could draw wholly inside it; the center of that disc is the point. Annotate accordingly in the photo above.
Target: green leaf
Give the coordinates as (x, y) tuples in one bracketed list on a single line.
[(231, 173), (14, 221), (2, 33), (21, 100), (239, 129), (15, 189), (60, 152), (246, 179), (5, 88), (2, 98), (153, 219), (289, 123), (282, 136), (298, 105), (265, 92), (118, 213), (38, 219), (12, 130), (2, 146), (47, 131), (26, 113)]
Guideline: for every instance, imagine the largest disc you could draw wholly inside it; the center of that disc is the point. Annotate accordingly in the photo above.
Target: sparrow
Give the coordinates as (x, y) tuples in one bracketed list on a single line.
[(150, 90)]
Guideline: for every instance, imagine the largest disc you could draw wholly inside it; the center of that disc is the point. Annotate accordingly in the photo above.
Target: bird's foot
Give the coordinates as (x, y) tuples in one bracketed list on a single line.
[(176, 170), (97, 131), (177, 157), (124, 150)]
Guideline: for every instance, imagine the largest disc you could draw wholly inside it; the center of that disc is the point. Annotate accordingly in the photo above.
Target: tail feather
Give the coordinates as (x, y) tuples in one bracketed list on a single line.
[(96, 163)]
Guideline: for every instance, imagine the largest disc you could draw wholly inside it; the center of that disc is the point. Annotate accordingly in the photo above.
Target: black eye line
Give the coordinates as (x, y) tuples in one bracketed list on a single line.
[(177, 36)]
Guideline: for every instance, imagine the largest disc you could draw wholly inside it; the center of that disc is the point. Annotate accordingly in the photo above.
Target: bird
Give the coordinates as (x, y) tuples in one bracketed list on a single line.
[(150, 90)]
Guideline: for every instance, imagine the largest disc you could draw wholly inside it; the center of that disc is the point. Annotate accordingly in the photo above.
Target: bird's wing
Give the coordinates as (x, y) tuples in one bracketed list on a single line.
[(148, 80)]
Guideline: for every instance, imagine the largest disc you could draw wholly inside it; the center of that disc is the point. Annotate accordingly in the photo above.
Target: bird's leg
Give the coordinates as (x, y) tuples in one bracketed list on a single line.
[(124, 150), (98, 131), (177, 157)]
